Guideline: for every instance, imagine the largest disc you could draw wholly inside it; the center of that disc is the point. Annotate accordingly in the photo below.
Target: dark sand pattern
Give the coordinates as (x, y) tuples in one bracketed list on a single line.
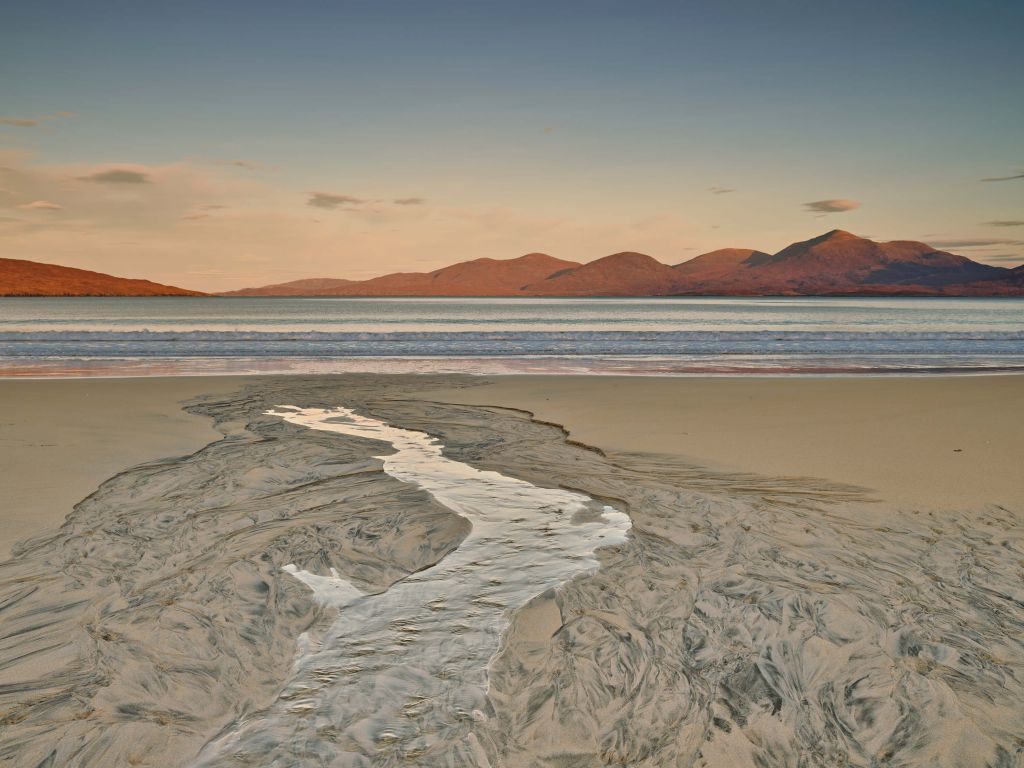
[(744, 621)]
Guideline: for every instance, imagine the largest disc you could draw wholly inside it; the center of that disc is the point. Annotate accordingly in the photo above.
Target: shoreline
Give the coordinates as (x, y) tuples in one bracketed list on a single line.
[(379, 365)]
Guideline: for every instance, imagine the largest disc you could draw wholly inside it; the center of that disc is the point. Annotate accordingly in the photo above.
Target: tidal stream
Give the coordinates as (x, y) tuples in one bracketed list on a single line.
[(401, 676)]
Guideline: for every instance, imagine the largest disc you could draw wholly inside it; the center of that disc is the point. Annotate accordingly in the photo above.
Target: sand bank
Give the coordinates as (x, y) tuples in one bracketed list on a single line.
[(59, 439), (944, 442)]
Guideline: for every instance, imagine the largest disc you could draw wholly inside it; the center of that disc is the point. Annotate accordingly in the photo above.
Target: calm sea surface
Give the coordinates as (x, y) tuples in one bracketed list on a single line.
[(59, 337)]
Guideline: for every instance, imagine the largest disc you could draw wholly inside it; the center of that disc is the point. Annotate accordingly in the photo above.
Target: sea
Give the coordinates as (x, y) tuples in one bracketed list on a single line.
[(71, 337)]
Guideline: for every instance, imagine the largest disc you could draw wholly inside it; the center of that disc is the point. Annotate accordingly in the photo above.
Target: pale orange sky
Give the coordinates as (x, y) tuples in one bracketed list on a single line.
[(351, 140), (215, 226)]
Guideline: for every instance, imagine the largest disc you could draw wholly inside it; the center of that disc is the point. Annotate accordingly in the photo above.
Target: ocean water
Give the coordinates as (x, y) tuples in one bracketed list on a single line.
[(119, 336)]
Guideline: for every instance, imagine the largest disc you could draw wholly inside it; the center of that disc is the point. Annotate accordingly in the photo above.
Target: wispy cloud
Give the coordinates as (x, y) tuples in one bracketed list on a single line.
[(195, 216), (409, 201), (248, 165), (34, 122), (981, 242), (41, 205), (1018, 175), (20, 122), (331, 201), (720, 190), (1006, 223), (116, 176), (831, 206)]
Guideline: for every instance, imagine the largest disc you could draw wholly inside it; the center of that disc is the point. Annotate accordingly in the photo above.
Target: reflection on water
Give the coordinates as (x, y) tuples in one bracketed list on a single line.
[(400, 678)]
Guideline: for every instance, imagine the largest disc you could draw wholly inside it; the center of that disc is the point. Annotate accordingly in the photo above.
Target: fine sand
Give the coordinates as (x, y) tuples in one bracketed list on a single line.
[(316, 588), (59, 439), (943, 442)]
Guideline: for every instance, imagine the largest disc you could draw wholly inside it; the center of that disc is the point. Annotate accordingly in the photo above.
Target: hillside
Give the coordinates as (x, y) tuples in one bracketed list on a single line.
[(479, 277), (30, 278), (621, 274), (293, 288), (710, 268)]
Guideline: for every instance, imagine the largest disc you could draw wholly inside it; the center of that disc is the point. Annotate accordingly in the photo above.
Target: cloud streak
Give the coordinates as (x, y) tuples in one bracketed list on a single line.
[(41, 205), (1006, 223), (331, 201), (1019, 175), (116, 176), (981, 242), (19, 122), (409, 201), (720, 190), (837, 205), (33, 122), (246, 164)]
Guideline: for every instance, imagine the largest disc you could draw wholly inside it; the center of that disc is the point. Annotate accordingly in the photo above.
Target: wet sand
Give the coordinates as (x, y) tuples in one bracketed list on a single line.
[(936, 442), (59, 439), (747, 619)]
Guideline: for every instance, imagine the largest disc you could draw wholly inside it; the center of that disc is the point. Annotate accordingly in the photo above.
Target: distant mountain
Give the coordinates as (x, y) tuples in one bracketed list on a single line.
[(293, 288), (31, 278), (621, 274), (836, 263), (840, 263), (480, 277), (710, 268)]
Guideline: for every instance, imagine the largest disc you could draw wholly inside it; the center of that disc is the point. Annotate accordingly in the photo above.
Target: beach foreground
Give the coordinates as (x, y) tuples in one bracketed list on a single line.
[(779, 599), (951, 442), (61, 438)]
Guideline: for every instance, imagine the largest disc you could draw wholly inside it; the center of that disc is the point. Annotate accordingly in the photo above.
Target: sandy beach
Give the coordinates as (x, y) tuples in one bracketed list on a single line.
[(938, 442), (59, 439), (798, 571)]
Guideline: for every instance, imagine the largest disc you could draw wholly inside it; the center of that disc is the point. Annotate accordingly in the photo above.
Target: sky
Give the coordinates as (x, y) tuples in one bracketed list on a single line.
[(228, 144)]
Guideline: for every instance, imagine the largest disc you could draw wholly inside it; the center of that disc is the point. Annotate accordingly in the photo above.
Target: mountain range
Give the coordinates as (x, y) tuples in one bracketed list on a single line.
[(836, 263)]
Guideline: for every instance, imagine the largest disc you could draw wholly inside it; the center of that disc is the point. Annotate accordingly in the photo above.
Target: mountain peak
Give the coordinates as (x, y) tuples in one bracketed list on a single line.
[(834, 235), (628, 257)]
